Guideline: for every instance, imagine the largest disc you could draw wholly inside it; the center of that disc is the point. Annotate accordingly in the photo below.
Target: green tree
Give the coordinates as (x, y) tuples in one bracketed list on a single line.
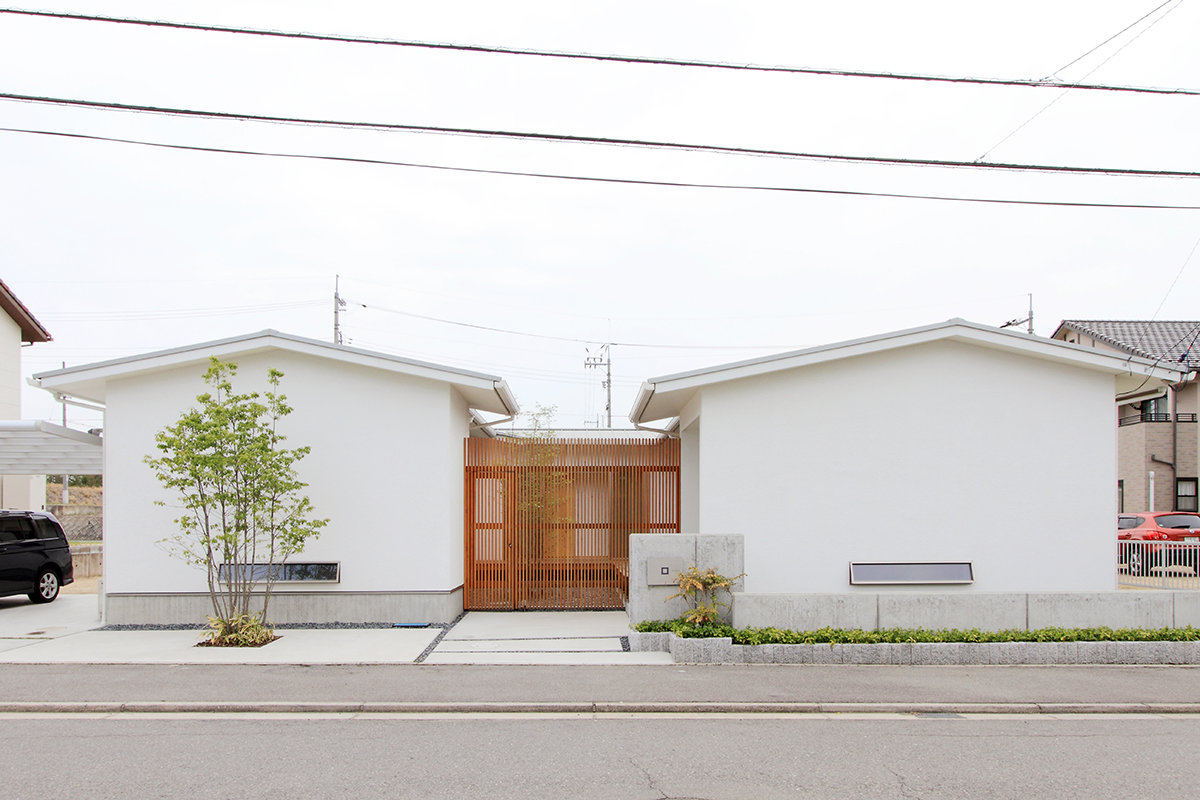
[(244, 511), (544, 494)]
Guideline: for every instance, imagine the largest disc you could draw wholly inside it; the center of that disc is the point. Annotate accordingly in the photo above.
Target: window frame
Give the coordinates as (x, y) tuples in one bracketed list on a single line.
[(1194, 497), (223, 571)]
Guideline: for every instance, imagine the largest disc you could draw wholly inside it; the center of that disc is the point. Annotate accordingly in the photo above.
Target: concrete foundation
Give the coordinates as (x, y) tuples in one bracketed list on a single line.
[(291, 607), (989, 612)]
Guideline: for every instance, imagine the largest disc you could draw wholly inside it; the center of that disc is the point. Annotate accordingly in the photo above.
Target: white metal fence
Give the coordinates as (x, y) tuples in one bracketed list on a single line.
[(1158, 565)]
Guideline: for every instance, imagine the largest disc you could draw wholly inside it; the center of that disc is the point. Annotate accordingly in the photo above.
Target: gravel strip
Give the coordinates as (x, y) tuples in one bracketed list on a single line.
[(438, 639), (287, 626)]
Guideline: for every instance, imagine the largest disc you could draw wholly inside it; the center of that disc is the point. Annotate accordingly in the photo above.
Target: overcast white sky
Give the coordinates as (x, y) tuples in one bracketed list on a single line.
[(121, 249)]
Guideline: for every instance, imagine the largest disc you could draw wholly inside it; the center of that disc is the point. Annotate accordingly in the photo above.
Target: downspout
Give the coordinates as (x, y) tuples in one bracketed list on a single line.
[(647, 392), (63, 397), (507, 400), (668, 434)]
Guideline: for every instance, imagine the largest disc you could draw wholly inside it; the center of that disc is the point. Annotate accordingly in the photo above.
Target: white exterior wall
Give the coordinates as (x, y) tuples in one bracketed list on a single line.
[(26, 492), (689, 478), (936, 452), (385, 452)]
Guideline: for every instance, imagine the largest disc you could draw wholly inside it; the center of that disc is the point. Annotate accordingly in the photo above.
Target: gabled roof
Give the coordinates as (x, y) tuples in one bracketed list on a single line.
[(483, 392), (1168, 340), (31, 330), (661, 398)]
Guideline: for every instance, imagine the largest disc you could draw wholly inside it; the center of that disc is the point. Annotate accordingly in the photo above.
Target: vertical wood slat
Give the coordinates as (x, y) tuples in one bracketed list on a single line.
[(547, 521)]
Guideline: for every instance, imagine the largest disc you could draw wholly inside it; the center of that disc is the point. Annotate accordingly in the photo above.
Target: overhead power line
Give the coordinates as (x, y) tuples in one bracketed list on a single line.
[(1109, 39), (173, 313), (650, 60), (597, 140), (597, 179), (568, 338)]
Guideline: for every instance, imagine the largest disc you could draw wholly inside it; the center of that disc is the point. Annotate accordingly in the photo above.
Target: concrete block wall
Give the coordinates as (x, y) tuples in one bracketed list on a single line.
[(722, 552), (290, 607), (989, 612)]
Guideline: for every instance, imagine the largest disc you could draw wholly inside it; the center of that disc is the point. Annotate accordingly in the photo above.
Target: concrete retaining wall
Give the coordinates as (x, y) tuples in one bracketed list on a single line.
[(87, 560), (724, 651), (291, 607), (989, 612), (722, 552)]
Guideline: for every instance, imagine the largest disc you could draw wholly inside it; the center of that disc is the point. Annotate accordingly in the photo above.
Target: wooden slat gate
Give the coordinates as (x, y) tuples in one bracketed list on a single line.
[(547, 521)]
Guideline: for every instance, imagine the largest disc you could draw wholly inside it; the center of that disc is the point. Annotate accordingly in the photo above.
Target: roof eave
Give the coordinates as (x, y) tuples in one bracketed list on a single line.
[(32, 331)]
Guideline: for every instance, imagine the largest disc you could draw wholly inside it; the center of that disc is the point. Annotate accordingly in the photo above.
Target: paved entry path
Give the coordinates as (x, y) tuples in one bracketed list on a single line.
[(540, 637)]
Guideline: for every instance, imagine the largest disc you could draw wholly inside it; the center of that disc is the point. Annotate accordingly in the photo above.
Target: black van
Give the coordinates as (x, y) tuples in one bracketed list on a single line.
[(35, 558)]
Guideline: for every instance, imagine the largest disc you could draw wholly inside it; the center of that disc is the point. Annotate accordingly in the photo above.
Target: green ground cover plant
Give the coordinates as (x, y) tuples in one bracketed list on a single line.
[(751, 636)]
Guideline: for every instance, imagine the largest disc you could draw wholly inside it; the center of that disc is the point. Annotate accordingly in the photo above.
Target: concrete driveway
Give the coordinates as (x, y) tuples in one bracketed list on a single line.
[(63, 632), (23, 623)]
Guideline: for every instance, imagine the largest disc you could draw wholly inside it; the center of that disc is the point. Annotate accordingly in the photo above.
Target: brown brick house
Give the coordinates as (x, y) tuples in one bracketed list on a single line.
[(1157, 432)]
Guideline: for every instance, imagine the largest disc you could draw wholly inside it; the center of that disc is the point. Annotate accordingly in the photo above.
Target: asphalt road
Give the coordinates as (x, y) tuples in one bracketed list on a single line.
[(671, 683), (557, 756)]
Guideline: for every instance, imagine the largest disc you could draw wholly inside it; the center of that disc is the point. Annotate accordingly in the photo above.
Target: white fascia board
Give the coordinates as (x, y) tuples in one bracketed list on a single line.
[(89, 381), (664, 397)]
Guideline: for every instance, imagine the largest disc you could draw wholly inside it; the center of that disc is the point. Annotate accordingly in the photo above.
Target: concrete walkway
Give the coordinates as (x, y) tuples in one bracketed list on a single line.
[(63, 632), (541, 637)]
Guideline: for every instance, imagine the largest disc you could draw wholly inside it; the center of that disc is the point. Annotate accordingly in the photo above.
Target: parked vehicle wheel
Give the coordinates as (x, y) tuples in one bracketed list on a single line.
[(1135, 561), (47, 586)]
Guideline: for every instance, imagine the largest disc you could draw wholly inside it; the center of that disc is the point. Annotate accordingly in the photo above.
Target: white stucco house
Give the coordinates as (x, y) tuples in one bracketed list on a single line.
[(983, 459), (386, 469), (18, 328)]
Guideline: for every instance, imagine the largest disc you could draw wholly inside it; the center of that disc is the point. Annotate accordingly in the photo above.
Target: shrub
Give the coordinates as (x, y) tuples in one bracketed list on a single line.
[(752, 636)]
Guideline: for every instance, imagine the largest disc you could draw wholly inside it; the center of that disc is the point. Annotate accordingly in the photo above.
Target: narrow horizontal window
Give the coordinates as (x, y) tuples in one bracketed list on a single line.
[(907, 572), (285, 573)]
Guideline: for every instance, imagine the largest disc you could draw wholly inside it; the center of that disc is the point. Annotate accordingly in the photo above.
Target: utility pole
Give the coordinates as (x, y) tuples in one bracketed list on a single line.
[(338, 305), (604, 360), (1028, 321)]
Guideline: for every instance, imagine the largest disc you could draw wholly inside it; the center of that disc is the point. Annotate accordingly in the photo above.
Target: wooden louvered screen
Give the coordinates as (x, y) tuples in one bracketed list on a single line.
[(547, 521)]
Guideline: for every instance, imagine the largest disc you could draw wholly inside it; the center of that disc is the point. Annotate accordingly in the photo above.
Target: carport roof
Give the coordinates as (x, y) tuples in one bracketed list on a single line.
[(33, 447), (89, 382)]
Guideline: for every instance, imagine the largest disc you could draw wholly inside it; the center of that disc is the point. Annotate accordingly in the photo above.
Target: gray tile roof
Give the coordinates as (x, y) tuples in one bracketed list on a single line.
[(1173, 341)]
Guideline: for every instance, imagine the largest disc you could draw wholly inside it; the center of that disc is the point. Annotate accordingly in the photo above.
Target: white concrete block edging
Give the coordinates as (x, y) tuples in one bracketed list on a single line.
[(724, 651)]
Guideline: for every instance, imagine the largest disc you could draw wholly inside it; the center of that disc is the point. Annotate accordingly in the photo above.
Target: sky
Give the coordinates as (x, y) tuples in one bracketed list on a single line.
[(121, 249)]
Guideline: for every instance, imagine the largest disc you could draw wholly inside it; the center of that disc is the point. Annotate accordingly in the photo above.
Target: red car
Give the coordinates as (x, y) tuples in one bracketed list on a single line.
[(1172, 538)]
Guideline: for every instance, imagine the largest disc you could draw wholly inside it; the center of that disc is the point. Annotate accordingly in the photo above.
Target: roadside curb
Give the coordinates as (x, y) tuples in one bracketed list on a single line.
[(171, 707)]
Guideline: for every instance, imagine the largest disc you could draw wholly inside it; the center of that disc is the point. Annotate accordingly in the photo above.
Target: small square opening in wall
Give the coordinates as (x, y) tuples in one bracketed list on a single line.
[(661, 570), (882, 573)]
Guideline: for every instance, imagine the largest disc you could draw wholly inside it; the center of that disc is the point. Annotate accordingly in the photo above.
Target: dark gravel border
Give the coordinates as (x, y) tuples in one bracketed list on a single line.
[(438, 639), (286, 626)]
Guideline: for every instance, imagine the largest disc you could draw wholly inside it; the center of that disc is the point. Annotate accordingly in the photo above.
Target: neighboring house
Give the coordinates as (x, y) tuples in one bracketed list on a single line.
[(1157, 466), (18, 328), (386, 468), (953, 442)]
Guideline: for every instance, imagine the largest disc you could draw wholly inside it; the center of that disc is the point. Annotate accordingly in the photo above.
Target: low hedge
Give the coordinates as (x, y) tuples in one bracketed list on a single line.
[(916, 635)]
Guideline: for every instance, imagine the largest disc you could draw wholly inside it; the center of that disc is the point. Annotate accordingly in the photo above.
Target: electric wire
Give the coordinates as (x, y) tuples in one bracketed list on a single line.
[(566, 338), (596, 179), (1109, 39), (596, 140), (648, 60), (1090, 72), (214, 311)]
